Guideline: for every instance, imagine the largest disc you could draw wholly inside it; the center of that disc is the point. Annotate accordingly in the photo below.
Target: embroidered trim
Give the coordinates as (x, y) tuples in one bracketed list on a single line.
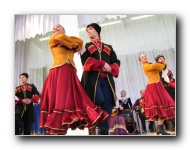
[(107, 50), (91, 49)]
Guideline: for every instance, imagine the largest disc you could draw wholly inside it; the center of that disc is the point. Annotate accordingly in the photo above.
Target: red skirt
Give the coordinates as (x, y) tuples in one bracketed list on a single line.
[(65, 104), (158, 103)]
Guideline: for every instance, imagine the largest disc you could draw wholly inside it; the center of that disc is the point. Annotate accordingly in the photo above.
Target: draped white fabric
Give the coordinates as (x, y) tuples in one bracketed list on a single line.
[(27, 26), (153, 35)]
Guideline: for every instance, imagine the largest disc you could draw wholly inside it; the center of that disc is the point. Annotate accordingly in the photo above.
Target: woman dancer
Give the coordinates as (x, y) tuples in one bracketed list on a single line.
[(157, 102)]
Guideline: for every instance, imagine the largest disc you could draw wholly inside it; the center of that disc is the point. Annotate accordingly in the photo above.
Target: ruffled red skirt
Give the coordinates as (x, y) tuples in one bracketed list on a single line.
[(65, 104), (158, 103)]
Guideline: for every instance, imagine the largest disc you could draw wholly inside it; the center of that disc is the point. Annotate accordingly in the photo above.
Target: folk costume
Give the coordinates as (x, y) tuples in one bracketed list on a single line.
[(157, 102), (168, 82), (125, 103), (167, 79), (64, 102), (169, 89), (99, 84), (24, 113)]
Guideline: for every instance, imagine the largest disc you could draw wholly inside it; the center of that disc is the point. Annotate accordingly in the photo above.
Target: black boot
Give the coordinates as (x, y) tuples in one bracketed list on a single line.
[(19, 125), (102, 132), (165, 123), (91, 131), (171, 126), (151, 126), (160, 130)]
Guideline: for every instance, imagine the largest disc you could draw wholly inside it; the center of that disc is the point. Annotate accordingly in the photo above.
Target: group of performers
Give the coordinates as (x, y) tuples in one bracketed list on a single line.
[(66, 102)]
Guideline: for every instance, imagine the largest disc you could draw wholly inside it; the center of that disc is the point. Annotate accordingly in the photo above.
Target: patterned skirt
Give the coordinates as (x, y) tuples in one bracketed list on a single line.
[(65, 104), (117, 125), (158, 103)]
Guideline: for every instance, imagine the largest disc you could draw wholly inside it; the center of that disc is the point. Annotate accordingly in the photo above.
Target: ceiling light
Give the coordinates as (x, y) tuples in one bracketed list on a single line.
[(43, 39), (140, 17)]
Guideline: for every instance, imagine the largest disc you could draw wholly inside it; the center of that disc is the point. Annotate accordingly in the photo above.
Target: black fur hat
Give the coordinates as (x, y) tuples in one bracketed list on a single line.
[(96, 27)]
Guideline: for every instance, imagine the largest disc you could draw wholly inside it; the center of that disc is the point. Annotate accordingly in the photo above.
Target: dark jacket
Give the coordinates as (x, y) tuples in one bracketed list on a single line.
[(26, 110), (126, 105), (92, 61)]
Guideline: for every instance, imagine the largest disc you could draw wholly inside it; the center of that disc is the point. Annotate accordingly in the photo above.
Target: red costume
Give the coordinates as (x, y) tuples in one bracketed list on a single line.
[(64, 102), (158, 102)]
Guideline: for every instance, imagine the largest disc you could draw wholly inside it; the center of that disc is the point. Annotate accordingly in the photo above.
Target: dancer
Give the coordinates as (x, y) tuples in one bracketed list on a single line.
[(64, 102), (157, 102), (100, 66)]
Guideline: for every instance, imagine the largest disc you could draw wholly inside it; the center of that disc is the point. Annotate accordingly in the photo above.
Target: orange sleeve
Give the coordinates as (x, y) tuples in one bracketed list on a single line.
[(62, 39), (157, 66), (78, 41)]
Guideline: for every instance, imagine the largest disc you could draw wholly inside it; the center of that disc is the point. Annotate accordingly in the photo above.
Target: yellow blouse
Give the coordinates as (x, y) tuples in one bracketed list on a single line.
[(152, 71), (60, 54)]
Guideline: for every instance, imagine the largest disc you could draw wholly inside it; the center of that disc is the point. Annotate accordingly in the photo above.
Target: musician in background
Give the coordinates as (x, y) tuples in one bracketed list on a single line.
[(126, 109), (124, 102), (117, 124), (138, 107)]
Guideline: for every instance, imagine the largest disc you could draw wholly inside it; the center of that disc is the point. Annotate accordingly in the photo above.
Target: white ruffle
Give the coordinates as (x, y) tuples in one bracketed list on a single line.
[(165, 75)]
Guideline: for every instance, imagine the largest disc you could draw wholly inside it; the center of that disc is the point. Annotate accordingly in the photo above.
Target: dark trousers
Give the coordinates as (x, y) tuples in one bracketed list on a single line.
[(21, 125), (27, 128), (143, 118), (104, 99)]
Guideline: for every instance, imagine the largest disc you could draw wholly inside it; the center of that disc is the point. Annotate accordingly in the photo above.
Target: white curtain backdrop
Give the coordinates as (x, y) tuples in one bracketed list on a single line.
[(27, 26), (129, 38)]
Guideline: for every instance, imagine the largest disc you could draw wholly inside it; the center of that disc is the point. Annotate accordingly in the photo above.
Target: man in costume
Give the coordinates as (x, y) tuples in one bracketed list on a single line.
[(100, 66), (25, 95), (138, 107)]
